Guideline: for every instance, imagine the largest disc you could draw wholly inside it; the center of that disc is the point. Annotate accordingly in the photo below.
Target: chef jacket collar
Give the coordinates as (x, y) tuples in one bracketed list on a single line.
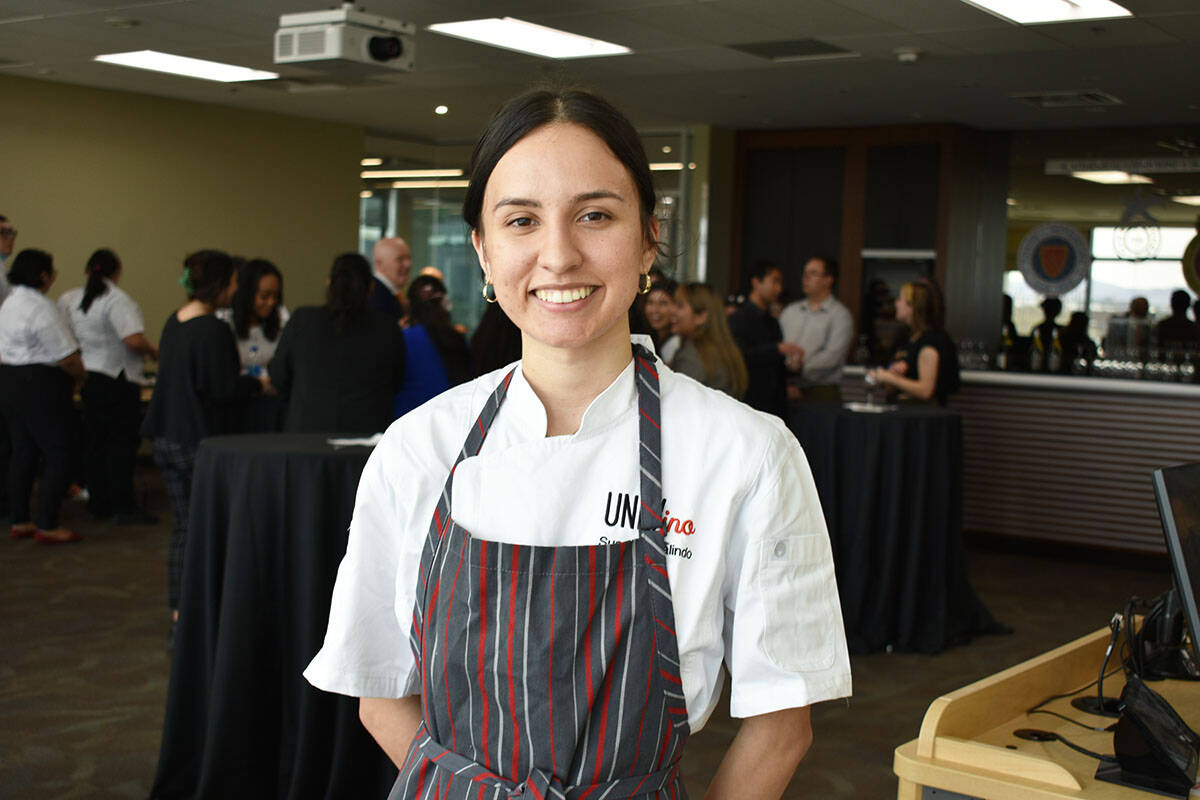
[(610, 406)]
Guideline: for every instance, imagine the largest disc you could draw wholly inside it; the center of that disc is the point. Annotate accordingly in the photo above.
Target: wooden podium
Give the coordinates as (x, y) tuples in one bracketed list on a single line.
[(967, 745)]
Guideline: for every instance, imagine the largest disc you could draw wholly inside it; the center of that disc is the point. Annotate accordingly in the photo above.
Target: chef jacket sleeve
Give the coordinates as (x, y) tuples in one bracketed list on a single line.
[(366, 651), (785, 645)]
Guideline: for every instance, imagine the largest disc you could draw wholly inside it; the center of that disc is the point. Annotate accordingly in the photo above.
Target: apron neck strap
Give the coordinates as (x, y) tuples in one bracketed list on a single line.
[(650, 445)]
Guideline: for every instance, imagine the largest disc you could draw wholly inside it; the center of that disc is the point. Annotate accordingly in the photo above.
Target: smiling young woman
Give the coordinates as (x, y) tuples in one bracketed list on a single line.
[(506, 629)]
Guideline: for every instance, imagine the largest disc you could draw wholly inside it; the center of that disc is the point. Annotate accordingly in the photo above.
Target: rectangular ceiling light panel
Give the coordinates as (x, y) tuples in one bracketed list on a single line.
[(410, 173), (1111, 176), (525, 37), (188, 67), (1036, 12)]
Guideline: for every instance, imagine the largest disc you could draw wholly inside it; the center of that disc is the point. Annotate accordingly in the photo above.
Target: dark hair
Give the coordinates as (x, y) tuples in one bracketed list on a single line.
[(758, 270), (243, 299), (664, 284), (527, 112), (207, 274), (29, 267), (426, 307), (831, 265), (102, 264), (349, 284), (1180, 302), (496, 341), (1051, 307)]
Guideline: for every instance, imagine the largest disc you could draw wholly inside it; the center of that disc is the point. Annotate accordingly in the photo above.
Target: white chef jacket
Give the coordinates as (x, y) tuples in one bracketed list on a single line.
[(749, 560), (32, 330), (110, 318)]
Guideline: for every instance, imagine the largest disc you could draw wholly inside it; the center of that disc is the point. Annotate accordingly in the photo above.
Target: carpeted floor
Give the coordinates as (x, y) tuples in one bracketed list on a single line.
[(84, 666)]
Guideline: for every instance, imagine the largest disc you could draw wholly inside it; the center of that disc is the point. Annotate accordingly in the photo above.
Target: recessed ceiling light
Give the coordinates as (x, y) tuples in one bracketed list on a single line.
[(1011, 201), (410, 173), (430, 184), (371, 162), (525, 37), (365, 193), (1187, 199), (188, 67), (1111, 176), (1034, 12), (666, 148), (440, 110)]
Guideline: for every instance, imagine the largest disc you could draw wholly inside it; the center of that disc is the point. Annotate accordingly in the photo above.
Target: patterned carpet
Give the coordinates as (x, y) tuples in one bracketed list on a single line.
[(83, 676)]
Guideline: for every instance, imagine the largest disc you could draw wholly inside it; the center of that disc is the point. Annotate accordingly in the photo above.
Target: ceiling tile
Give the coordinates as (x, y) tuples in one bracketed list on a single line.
[(1106, 33), (708, 24), (813, 18), (1006, 39), (926, 16)]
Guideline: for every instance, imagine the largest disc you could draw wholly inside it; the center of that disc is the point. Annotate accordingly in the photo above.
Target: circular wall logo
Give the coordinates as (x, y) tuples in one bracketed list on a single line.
[(1054, 258), (1191, 264)]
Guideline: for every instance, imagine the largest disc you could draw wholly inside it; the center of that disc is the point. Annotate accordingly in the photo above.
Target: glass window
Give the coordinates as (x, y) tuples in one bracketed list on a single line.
[(1113, 282)]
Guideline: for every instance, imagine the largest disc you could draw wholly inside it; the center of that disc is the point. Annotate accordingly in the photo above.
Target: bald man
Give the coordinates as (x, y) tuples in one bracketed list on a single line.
[(393, 261)]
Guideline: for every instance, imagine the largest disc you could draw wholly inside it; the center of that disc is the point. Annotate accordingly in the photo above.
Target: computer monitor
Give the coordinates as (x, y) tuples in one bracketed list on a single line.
[(1177, 490)]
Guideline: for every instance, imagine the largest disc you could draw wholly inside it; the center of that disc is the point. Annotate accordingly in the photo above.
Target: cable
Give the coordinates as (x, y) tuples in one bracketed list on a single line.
[(1065, 717), (1085, 751)]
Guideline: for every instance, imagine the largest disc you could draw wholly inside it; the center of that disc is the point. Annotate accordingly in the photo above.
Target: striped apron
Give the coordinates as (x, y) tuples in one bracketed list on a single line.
[(548, 672)]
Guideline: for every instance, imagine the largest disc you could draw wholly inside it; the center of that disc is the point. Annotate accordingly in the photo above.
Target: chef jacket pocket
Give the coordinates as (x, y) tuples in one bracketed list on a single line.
[(795, 583)]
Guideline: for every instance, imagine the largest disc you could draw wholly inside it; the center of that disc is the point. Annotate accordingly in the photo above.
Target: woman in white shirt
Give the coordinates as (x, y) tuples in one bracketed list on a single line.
[(40, 369), (257, 314), (572, 576), (108, 324)]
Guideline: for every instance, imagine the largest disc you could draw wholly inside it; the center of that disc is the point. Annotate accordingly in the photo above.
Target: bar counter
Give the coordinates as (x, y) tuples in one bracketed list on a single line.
[(1067, 458)]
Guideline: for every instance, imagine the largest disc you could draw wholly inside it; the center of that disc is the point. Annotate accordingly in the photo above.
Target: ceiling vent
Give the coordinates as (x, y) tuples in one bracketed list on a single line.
[(795, 50), (1068, 98)]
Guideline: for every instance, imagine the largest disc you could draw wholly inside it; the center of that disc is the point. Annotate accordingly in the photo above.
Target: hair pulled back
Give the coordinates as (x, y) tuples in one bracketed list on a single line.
[(207, 274), (527, 112), (102, 264), (349, 284), (427, 308)]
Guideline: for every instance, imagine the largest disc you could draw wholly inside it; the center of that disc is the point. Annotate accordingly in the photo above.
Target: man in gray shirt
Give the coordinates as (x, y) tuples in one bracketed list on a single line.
[(823, 329)]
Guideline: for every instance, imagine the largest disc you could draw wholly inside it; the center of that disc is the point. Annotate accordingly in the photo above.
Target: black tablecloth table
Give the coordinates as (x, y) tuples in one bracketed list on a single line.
[(268, 527), (891, 488)]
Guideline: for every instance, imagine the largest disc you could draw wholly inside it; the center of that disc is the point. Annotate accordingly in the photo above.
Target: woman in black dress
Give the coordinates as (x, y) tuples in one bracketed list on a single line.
[(926, 366)]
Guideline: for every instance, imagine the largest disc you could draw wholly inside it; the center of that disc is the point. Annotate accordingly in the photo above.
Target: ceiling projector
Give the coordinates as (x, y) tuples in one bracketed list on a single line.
[(345, 39)]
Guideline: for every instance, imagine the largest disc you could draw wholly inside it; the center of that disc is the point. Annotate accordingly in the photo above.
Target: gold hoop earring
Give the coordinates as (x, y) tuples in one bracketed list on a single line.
[(644, 283), (489, 292)]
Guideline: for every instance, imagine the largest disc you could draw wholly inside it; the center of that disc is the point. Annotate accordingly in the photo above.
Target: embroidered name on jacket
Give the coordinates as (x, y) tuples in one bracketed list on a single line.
[(620, 511)]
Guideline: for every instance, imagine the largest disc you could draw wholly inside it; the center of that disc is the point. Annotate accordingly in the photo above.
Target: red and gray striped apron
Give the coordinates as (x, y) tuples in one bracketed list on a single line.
[(548, 672)]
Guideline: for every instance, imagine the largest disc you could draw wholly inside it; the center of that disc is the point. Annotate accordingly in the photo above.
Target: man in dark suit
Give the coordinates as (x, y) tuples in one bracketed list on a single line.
[(393, 261)]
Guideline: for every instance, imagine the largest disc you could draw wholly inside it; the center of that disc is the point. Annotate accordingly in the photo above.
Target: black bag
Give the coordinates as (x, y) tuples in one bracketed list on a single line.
[(1155, 748)]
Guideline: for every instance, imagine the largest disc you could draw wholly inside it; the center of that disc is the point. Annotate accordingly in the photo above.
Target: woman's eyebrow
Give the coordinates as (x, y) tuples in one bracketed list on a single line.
[(516, 201), (582, 197), (598, 194)]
